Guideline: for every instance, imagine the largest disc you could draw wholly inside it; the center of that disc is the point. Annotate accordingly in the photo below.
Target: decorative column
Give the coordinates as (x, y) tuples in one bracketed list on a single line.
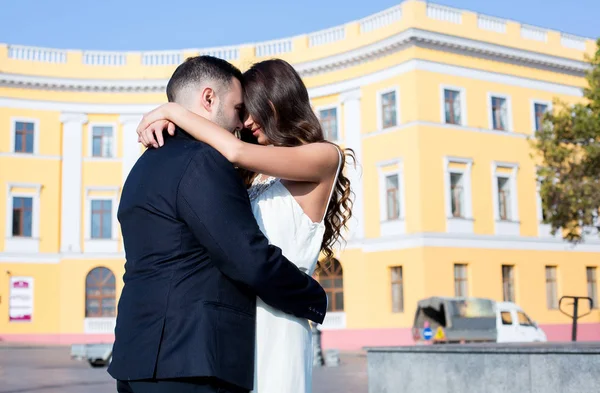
[(71, 193), (131, 147), (352, 121)]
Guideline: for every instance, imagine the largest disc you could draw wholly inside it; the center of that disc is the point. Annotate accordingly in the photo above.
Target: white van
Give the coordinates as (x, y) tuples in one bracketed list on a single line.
[(446, 320), (513, 325)]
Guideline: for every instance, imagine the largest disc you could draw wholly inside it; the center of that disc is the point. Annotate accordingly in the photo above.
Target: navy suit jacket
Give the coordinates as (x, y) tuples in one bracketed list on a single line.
[(195, 262)]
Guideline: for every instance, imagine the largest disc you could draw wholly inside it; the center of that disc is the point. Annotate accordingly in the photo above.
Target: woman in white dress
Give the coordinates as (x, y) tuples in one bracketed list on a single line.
[(299, 195)]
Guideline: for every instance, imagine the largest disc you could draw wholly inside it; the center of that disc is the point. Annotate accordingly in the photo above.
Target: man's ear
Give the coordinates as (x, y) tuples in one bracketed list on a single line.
[(208, 99)]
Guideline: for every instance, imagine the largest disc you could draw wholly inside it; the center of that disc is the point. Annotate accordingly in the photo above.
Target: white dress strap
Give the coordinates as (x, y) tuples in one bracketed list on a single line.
[(334, 181)]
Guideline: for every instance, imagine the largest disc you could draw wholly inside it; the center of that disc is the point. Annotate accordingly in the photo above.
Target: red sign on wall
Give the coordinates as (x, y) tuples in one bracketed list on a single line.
[(20, 305)]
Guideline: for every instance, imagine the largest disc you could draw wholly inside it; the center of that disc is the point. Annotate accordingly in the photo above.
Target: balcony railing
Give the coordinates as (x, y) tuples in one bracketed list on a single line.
[(272, 48), (228, 53), (281, 46), (95, 58), (534, 33), (163, 58), (99, 325), (446, 14), (492, 24), (327, 36), (30, 53), (572, 41), (381, 19)]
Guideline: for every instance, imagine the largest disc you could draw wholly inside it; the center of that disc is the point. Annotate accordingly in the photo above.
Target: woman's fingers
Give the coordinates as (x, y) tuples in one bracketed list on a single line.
[(158, 128), (153, 134)]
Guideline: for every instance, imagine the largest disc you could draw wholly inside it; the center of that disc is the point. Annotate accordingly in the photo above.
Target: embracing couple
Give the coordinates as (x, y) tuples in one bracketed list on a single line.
[(222, 234)]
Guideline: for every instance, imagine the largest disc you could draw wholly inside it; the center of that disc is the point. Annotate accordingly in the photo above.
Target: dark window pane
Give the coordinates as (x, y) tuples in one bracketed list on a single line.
[(19, 143), (29, 143), (339, 301), (97, 147), (27, 222), (16, 223)]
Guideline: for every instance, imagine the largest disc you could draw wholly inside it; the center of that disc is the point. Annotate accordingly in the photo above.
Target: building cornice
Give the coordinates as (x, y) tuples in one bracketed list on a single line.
[(381, 244), (385, 47), (348, 89)]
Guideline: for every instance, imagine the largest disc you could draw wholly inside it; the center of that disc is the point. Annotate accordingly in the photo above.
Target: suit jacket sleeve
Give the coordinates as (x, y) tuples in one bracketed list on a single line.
[(214, 204)]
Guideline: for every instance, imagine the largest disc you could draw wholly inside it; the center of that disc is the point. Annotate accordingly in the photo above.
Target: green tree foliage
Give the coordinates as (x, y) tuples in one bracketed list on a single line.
[(568, 145)]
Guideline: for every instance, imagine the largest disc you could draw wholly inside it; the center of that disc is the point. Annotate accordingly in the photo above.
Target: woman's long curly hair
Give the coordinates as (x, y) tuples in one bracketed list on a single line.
[(277, 100)]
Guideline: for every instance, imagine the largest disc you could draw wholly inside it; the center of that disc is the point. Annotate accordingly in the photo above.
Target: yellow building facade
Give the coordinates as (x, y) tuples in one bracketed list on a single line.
[(437, 103)]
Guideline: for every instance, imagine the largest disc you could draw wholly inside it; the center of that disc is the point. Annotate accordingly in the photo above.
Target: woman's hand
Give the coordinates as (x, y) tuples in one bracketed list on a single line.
[(151, 128), (153, 134)]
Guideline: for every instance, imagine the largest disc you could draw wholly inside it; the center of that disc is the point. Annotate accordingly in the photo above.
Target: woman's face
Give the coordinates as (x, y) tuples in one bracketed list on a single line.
[(256, 130)]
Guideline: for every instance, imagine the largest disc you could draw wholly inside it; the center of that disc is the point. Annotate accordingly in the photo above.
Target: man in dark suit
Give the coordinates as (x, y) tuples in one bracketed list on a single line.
[(196, 258)]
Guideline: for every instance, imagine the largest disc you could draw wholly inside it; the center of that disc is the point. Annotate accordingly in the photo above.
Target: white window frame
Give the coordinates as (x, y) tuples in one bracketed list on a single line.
[(17, 243), (509, 115), (338, 111), (101, 245), (543, 229), (463, 104), (380, 93), (459, 224), (510, 227), (398, 226), (532, 107), (36, 134), (115, 129)]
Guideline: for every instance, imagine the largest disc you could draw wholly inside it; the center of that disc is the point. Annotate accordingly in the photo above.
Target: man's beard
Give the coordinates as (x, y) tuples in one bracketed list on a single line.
[(220, 120)]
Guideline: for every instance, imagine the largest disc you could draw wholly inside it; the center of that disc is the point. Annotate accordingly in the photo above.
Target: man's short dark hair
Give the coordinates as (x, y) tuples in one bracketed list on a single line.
[(200, 69)]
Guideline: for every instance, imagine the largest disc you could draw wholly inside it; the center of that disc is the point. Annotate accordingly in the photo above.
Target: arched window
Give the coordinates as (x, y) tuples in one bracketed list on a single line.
[(100, 293), (331, 278)]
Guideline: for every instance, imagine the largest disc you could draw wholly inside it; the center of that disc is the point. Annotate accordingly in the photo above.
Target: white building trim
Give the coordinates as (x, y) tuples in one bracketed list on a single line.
[(131, 147), (18, 244), (510, 227), (408, 38), (55, 258), (320, 91), (398, 226), (407, 126), (71, 181), (468, 241), (458, 241), (334, 320), (36, 135), (29, 156), (463, 104), (459, 224), (351, 102)]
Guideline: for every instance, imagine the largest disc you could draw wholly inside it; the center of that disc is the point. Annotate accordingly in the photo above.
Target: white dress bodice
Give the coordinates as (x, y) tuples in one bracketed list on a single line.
[(284, 223)]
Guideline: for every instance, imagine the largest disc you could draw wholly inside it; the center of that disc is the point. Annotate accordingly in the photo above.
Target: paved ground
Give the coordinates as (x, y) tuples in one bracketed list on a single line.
[(50, 370)]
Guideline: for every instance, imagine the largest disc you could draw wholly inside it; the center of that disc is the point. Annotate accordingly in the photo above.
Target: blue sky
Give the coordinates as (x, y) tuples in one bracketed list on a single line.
[(176, 24)]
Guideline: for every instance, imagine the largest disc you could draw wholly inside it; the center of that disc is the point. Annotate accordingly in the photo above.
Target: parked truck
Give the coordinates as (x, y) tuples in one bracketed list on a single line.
[(447, 320)]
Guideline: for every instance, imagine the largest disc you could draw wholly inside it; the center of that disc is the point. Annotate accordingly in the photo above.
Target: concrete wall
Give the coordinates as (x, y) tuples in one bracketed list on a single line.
[(490, 368)]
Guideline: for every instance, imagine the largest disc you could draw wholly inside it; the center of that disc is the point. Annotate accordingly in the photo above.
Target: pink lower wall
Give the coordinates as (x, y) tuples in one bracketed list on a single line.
[(57, 339), (344, 340), (355, 339)]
